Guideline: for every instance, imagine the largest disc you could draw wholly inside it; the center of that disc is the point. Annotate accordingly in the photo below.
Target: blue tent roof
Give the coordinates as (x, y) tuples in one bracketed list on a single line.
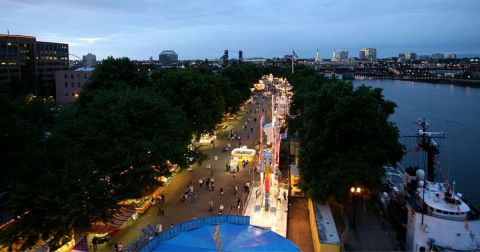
[(227, 237)]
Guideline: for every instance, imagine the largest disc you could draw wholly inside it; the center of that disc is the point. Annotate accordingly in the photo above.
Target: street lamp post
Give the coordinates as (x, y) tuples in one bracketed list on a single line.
[(355, 194)]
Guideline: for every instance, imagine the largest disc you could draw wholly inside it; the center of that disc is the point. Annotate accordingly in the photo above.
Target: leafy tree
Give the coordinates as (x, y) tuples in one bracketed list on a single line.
[(345, 134), (22, 161), (115, 74), (242, 77), (110, 145), (198, 94), (15, 87)]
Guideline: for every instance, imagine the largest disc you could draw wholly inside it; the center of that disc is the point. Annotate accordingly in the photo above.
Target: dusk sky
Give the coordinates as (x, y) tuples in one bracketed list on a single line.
[(198, 29)]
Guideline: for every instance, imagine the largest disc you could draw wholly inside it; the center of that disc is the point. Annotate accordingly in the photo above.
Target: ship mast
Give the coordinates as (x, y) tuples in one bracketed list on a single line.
[(427, 144)]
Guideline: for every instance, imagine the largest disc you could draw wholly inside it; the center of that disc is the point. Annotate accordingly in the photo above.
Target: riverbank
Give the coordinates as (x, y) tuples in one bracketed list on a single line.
[(449, 81)]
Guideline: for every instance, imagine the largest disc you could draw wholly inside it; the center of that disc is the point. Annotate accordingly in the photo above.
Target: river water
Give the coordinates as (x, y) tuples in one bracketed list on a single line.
[(455, 110)]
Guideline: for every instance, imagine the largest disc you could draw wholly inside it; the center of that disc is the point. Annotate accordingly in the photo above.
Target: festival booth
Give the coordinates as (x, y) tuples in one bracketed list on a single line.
[(207, 138), (243, 153), (104, 231), (295, 181)]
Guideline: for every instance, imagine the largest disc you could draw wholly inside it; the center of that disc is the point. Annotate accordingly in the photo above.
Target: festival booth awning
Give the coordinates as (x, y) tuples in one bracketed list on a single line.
[(120, 218)]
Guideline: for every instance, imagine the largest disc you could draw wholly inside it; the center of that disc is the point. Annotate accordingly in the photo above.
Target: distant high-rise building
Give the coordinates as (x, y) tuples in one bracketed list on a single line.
[(410, 56), (340, 55), (436, 56), (423, 57), (225, 58), (452, 56), (317, 57), (401, 56), (168, 57), (89, 60), (368, 54), (240, 56), (32, 61)]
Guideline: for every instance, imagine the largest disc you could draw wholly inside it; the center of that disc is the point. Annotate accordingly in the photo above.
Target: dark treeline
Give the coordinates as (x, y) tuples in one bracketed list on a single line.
[(112, 144), (345, 135)]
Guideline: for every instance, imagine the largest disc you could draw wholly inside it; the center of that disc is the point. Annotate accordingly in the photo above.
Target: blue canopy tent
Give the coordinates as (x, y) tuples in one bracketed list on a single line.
[(227, 237)]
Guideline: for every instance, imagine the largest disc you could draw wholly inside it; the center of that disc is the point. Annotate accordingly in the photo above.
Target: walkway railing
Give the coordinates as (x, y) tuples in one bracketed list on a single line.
[(145, 243)]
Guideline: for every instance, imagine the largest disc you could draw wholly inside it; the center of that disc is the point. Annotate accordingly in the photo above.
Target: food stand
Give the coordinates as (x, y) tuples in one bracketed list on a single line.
[(244, 153)]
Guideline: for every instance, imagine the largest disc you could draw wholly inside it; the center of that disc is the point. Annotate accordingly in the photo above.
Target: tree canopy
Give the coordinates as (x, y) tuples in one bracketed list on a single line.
[(112, 144), (198, 94), (345, 135)]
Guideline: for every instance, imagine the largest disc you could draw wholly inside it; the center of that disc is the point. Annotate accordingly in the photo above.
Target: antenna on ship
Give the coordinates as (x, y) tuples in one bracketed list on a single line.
[(427, 144)]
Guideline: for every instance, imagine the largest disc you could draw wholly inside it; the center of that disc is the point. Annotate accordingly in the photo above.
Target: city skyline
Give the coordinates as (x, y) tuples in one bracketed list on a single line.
[(196, 30)]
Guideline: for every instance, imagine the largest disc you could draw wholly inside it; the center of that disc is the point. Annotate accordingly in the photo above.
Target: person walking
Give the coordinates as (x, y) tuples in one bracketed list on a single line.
[(221, 210), (210, 204), (94, 243), (221, 191), (200, 182), (159, 209), (208, 183), (236, 190)]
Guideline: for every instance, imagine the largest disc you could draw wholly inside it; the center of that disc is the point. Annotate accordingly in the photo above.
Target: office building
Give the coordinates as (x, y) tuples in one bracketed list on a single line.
[(31, 61), (368, 54), (240, 56), (452, 56), (50, 57), (17, 59), (89, 60), (224, 58), (410, 56), (168, 57), (69, 83), (423, 57), (340, 55), (437, 56)]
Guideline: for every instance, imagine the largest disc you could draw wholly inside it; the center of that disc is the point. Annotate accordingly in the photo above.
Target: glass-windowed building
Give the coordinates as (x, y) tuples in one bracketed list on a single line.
[(168, 57)]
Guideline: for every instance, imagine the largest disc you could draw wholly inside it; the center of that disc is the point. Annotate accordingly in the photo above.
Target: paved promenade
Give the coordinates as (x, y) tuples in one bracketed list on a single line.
[(177, 211)]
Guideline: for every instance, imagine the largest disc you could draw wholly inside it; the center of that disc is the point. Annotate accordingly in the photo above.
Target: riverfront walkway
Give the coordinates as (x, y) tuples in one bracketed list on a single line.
[(177, 211)]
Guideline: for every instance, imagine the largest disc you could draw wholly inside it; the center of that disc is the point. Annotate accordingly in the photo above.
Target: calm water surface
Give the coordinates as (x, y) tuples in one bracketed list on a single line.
[(455, 110)]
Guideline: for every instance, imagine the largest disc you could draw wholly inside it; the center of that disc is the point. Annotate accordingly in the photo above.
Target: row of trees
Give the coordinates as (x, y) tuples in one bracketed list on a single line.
[(344, 132), (112, 144)]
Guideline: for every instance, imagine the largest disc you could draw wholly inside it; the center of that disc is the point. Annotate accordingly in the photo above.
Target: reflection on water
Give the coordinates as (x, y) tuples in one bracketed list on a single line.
[(452, 109)]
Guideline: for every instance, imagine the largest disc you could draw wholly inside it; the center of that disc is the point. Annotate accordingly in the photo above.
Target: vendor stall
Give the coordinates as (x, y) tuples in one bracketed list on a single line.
[(244, 153)]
